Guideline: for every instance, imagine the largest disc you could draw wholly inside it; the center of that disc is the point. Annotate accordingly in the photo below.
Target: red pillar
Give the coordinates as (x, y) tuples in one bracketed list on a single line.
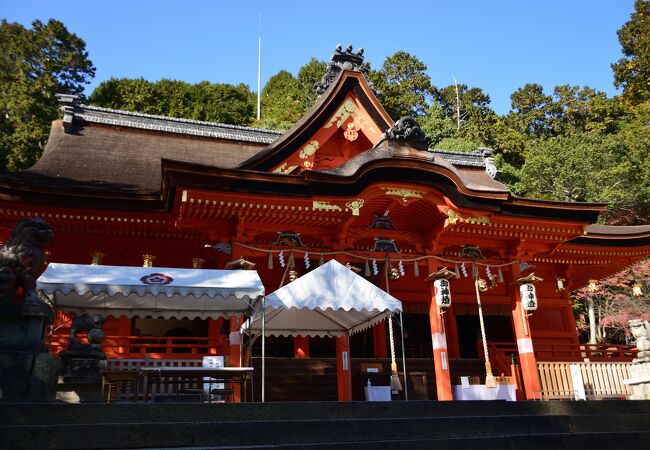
[(451, 332), (344, 380), (439, 342), (234, 351), (527, 359), (301, 347), (379, 339)]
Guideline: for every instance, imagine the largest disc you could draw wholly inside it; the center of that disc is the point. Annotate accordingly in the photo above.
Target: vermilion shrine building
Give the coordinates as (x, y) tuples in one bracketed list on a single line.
[(119, 185)]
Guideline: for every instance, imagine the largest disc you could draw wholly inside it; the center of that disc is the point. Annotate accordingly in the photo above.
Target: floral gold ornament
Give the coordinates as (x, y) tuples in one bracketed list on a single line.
[(309, 150), (348, 109), (452, 216), (197, 263), (559, 284), (352, 133)]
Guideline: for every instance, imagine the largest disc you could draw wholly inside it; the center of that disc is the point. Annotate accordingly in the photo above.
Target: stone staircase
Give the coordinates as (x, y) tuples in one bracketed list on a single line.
[(328, 425)]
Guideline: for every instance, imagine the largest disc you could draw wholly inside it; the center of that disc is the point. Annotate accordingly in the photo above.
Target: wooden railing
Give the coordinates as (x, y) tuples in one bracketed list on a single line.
[(152, 346), (500, 353), (601, 380)]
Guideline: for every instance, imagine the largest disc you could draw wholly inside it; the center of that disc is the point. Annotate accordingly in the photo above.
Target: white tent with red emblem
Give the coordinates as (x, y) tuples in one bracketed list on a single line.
[(157, 292)]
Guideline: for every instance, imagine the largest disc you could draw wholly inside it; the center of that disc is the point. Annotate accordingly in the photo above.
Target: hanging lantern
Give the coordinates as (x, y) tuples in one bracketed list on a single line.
[(636, 290), (147, 260), (441, 286), (528, 292), (97, 257), (442, 292), (528, 297), (592, 286)]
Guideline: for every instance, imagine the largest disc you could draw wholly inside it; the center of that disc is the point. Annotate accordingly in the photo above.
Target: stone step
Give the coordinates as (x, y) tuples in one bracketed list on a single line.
[(309, 432), (89, 413)]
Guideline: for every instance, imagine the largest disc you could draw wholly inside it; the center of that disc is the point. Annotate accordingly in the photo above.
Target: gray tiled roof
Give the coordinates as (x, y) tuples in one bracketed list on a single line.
[(107, 116), (470, 159)]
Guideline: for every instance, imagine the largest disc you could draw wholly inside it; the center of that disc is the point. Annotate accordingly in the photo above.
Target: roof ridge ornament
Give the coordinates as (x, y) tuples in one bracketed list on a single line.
[(490, 167), (343, 60), (69, 103), (407, 129)]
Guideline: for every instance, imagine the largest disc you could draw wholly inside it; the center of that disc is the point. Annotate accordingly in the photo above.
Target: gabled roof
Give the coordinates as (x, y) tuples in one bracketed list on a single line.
[(327, 104)]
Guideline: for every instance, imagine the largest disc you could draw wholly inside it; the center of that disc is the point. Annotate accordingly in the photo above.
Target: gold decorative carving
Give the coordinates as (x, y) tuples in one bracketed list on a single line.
[(322, 205), (453, 216), (309, 149), (348, 109), (147, 260), (197, 263), (355, 206), (97, 257), (352, 133), (478, 219), (405, 194), (284, 168)]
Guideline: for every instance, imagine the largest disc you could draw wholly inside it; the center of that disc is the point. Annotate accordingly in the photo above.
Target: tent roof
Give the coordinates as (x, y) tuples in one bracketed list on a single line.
[(328, 301), (150, 291)]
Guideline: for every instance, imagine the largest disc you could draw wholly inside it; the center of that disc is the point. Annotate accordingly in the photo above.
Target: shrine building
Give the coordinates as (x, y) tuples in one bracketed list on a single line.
[(347, 183)]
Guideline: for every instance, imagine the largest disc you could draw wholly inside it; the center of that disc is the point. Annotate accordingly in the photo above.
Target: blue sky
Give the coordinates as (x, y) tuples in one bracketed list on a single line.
[(497, 46)]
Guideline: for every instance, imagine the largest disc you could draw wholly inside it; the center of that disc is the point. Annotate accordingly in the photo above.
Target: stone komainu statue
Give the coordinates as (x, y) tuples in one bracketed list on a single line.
[(22, 257), (93, 325), (641, 331)]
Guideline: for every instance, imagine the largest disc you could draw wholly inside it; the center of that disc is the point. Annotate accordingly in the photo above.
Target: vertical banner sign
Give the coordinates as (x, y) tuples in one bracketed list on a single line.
[(528, 297), (443, 296), (344, 357)]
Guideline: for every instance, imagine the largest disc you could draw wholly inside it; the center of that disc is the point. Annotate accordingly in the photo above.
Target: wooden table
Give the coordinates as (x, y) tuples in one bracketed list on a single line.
[(113, 377), (239, 375)]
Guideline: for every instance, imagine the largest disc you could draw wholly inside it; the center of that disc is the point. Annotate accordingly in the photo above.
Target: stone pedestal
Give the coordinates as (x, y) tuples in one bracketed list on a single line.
[(639, 381), (28, 372), (80, 380)]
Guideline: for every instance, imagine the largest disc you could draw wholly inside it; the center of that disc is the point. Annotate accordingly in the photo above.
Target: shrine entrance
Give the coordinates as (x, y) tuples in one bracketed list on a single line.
[(498, 328)]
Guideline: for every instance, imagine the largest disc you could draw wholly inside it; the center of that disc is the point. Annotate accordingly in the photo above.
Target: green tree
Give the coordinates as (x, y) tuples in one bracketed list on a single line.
[(404, 86), (587, 167), (36, 64), (470, 110), (212, 102), (632, 72)]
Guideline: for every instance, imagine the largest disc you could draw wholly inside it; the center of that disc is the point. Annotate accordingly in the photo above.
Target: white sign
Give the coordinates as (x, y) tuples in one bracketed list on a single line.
[(464, 382), (344, 356), (528, 297), (443, 357), (578, 383)]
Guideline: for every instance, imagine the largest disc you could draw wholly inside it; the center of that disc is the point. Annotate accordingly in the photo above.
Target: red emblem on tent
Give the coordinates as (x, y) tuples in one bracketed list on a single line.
[(156, 279)]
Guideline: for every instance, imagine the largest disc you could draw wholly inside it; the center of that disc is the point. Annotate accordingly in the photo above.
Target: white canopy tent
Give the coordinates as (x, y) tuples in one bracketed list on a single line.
[(331, 300), (151, 291)]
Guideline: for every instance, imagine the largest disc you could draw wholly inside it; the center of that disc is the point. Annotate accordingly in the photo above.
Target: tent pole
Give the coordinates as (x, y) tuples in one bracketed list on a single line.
[(401, 326), (263, 346)]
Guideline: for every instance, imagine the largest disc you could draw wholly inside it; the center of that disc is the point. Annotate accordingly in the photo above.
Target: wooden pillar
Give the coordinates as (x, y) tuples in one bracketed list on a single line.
[(439, 342), (343, 377), (527, 359), (235, 351), (379, 340), (301, 347), (451, 332)]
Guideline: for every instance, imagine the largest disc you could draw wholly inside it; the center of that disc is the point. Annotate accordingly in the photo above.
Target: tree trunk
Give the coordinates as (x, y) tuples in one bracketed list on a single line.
[(592, 320)]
